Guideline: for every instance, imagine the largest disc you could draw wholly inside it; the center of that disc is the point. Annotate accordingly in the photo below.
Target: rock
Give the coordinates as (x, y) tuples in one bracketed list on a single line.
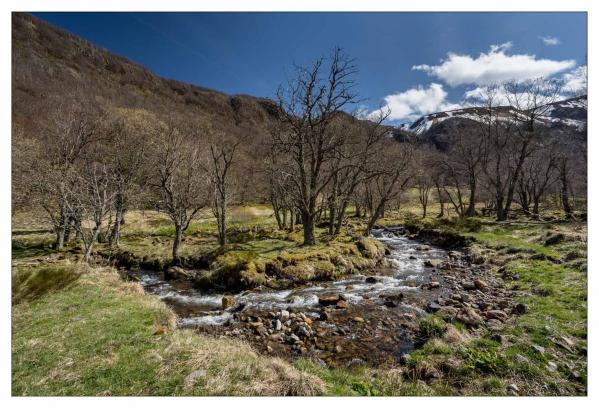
[(433, 263), (554, 239), (338, 349), (520, 359), (342, 304), (392, 300), (293, 338), (358, 319), (302, 331), (276, 337), (513, 389), (551, 366), (480, 284), (433, 307), (308, 321), (284, 315), (468, 285), (176, 272), (323, 316), (565, 343), (328, 299), (192, 378), (456, 296), (355, 362), (371, 279), (469, 317), (228, 301), (496, 314), (538, 349), (432, 285), (278, 325), (520, 308)]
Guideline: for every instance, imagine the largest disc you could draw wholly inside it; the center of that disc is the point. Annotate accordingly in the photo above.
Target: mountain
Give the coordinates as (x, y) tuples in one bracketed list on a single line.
[(570, 113), (50, 64)]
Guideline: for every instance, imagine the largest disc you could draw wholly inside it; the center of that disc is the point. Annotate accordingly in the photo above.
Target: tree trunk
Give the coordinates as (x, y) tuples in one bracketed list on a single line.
[(564, 190), (116, 229), (177, 242), (60, 235), (90, 246), (471, 210), (308, 226), (441, 201)]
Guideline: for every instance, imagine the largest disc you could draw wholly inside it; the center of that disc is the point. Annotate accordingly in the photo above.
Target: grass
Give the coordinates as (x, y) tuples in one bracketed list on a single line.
[(70, 337), (556, 294), (75, 341)]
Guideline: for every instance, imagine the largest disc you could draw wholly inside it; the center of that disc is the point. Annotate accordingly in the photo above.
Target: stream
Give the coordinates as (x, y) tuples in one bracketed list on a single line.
[(287, 323)]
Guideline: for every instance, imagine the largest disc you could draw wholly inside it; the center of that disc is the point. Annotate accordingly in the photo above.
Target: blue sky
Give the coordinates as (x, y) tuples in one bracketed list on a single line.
[(403, 58)]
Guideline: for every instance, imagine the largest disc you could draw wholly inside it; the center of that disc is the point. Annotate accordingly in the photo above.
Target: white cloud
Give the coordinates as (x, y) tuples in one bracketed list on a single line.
[(415, 102), (493, 66), (548, 40), (575, 81)]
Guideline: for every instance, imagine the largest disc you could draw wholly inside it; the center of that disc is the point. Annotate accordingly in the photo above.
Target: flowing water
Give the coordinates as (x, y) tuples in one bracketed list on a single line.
[(386, 331)]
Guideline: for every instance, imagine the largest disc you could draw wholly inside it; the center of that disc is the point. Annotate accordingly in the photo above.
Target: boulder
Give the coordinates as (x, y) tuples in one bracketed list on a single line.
[(371, 279)]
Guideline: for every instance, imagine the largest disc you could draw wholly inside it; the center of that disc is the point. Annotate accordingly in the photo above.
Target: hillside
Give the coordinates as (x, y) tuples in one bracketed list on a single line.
[(49, 65)]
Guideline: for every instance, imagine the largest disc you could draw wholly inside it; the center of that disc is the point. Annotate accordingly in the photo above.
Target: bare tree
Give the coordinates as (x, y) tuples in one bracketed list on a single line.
[(308, 106), (222, 154), (127, 149), (71, 131), (510, 139), (392, 177), (180, 180), (92, 197)]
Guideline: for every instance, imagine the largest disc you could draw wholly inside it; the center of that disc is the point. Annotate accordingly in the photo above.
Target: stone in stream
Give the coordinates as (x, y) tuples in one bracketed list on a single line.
[(342, 304), (323, 316), (329, 299), (371, 279), (228, 301), (433, 263), (284, 315)]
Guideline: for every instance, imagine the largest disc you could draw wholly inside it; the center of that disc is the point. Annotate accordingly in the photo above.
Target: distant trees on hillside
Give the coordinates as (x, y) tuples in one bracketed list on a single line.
[(91, 162)]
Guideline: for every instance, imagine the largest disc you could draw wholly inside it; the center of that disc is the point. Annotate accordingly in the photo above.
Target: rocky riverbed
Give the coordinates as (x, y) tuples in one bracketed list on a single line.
[(358, 320)]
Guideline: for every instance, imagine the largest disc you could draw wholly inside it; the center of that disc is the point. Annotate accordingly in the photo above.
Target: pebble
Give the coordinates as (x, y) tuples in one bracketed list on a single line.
[(513, 389)]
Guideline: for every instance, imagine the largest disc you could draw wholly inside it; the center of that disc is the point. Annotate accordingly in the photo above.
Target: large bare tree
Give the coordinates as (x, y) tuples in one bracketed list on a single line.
[(308, 105)]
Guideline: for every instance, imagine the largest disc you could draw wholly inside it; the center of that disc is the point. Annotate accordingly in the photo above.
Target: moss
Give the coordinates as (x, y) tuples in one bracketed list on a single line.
[(371, 248)]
